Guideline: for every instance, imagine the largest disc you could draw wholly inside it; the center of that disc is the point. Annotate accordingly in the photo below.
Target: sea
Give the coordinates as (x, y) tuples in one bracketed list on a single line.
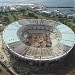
[(49, 3)]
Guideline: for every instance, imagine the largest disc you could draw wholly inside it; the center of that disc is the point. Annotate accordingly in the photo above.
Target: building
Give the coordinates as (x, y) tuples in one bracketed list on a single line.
[(71, 17), (36, 45)]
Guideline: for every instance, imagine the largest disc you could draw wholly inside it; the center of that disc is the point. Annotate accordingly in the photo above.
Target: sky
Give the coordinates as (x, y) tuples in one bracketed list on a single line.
[(45, 2)]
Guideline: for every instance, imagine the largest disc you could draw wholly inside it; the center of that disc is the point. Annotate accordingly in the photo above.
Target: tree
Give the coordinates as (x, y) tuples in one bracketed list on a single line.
[(31, 14)]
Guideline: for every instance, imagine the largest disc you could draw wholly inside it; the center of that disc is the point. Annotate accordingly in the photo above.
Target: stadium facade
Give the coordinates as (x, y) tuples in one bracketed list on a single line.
[(35, 44)]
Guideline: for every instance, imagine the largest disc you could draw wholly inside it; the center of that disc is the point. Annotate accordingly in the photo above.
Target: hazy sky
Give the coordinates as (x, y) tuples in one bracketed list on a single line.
[(45, 2)]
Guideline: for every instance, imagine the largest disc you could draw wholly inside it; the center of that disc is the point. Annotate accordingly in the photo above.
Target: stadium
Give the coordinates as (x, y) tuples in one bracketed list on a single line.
[(34, 44)]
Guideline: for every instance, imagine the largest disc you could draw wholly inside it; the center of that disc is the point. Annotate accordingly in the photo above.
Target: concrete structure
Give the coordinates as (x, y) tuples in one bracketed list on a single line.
[(34, 45)]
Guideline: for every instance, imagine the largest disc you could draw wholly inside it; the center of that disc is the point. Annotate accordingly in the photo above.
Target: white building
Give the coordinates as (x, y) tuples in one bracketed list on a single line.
[(71, 17)]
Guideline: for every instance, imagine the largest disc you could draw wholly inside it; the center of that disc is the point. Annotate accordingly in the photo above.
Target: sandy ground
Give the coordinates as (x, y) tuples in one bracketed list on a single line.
[(2, 52), (3, 71)]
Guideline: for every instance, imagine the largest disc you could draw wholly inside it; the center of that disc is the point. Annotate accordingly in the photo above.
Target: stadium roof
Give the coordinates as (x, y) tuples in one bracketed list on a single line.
[(62, 44)]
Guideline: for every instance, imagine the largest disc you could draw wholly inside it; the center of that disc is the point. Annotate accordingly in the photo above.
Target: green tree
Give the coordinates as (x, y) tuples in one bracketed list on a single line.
[(31, 14)]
